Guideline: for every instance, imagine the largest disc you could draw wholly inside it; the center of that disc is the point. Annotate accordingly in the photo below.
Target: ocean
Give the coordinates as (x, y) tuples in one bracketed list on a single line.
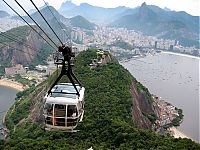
[(175, 79), (7, 98)]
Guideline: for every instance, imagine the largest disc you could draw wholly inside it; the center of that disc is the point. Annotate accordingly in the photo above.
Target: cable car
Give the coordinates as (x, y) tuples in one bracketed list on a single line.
[(64, 103), (63, 108)]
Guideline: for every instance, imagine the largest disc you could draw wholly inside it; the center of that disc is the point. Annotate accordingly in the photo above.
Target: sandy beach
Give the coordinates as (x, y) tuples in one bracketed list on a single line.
[(178, 134), (179, 54), (12, 84)]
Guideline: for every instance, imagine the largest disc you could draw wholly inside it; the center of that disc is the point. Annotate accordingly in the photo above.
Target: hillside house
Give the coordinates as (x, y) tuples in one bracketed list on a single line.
[(18, 69)]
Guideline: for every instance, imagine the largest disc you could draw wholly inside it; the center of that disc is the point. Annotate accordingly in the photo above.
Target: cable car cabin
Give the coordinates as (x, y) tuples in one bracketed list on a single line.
[(63, 108)]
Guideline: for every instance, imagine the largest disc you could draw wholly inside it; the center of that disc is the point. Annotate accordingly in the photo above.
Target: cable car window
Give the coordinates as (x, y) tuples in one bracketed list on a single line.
[(72, 111), (63, 95), (67, 91), (48, 108), (60, 110)]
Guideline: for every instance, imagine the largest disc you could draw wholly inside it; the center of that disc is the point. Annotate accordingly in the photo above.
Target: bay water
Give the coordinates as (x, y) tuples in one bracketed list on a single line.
[(174, 78)]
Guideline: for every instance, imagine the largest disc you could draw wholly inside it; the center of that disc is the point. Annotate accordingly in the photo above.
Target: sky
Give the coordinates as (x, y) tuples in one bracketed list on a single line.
[(190, 6)]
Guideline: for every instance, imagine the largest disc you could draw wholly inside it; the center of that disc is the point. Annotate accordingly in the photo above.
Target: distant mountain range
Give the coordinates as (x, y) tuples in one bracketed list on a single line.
[(148, 19), (76, 21), (92, 13), (152, 20), (4, 14)]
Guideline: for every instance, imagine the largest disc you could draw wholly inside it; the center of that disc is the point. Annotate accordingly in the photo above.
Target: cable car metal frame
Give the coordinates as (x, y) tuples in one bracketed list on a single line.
[(66, 62)]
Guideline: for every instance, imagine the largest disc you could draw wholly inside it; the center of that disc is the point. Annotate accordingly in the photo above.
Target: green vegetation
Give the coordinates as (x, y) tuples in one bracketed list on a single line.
[(1, 144), (122, 44), (19, 32), (189, 42), (41, 57), (21, 80), (124, 55), (152, 117), (144, 90), (20, 109), (4, 64), (81, 22), (107, 121), (177, 121)]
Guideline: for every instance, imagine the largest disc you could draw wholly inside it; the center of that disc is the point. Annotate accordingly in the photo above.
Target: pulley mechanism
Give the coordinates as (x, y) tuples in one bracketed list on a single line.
[(66, 62)]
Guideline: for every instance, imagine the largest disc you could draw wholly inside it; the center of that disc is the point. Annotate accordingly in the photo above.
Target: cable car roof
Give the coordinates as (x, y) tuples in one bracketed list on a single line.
[(64, 93), (61, 100)]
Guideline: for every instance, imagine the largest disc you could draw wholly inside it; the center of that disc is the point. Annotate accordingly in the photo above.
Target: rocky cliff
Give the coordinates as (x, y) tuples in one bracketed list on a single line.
[(21, 47)]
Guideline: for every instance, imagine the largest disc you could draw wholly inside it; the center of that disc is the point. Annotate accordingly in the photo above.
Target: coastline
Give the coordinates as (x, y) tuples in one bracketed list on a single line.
[(12, 84), (179, 54), (178, 134)]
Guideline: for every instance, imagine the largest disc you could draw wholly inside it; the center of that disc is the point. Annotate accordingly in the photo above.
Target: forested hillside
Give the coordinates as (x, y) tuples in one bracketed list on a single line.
[(107, 123), (22, 46)]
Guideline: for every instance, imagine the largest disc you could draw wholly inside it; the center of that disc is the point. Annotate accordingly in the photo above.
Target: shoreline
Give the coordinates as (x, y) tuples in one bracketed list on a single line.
[(180, 54), (176, 133), (12, 84)]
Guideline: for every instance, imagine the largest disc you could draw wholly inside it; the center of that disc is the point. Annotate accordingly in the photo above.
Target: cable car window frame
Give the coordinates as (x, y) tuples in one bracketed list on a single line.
[(48, 110), (75, 111), (62, 110)]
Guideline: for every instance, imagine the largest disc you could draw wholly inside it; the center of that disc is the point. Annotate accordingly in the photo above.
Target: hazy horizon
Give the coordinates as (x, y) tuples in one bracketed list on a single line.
[(189, 6)]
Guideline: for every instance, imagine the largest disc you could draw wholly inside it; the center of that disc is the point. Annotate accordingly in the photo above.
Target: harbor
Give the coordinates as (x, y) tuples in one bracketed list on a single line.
[(175, 78)]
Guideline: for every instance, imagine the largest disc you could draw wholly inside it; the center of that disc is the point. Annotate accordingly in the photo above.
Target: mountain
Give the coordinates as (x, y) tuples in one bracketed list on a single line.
[(77, 21), (167, 9), (152, 20), (17, 52), (24, 47), (67, 6), (61, 25), (112, 97), (47, 13), (4, 14), (31, 11), (91, 13), (81, 22)]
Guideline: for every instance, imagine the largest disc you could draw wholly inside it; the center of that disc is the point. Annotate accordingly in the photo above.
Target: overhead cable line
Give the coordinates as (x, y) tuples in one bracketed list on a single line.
[(14, 39), (29, 24), (36, 23), (20, 50), (56, 19), (10, 38), (28, 46), (22, 32), (16, 48), (18, 41), (46, 21)]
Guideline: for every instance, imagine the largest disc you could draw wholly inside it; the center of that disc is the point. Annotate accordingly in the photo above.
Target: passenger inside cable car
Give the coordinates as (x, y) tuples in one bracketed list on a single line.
[(63, 111)]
